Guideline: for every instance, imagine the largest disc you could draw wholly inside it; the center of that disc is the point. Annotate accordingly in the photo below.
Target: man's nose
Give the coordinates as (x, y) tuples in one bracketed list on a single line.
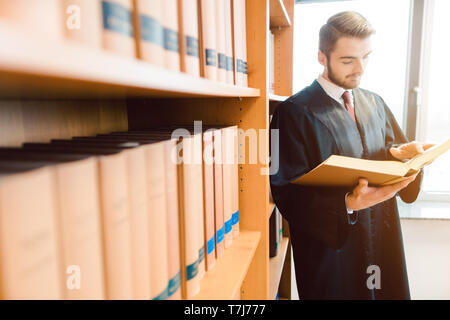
[(359, 66)]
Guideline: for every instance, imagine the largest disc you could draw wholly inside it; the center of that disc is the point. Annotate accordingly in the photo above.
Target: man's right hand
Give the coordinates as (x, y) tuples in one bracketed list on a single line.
[(363, 196)]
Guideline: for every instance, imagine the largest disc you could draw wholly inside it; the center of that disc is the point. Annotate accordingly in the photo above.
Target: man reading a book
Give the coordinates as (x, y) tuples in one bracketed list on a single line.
[(339, 234)]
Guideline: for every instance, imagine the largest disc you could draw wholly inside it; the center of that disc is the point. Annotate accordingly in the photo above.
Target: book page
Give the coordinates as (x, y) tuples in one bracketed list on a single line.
[(421, 160)]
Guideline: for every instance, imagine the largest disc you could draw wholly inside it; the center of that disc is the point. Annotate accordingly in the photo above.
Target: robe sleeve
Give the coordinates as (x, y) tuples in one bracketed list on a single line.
[(302, 144), (394, 137)]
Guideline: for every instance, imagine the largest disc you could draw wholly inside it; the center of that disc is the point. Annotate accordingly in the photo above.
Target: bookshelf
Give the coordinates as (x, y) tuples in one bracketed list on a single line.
[(59, 90)]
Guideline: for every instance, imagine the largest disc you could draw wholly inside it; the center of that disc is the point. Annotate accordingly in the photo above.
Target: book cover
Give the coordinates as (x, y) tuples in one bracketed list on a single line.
[(208, 42), (189, 37), (171, 41)]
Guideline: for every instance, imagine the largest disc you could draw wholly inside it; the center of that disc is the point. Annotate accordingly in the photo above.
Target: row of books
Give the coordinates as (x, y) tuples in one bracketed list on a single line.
[(201, 37), (275, 232), (125, 215)]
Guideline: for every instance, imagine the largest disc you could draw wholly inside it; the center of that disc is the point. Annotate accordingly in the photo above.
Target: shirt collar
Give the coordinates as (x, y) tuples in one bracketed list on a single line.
[(333, 90)]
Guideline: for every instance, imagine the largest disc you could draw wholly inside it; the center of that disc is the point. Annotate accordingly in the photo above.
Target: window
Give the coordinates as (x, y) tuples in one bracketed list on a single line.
[(386, 71)]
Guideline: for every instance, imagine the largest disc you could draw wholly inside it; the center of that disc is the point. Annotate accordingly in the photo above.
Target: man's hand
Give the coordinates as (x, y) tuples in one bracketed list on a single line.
[(410, 150), (363, 196)]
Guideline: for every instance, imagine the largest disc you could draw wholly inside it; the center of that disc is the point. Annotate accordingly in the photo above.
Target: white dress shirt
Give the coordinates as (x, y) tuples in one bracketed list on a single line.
[(335, 92)]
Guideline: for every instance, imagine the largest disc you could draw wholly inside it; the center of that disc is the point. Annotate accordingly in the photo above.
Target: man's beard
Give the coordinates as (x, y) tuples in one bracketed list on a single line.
[(336, 81)]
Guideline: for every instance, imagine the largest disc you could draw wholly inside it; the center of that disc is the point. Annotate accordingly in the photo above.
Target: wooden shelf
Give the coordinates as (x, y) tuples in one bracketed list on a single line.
[(224, 281), (276, 267), (279, 16), (39, 69), (276, 98)]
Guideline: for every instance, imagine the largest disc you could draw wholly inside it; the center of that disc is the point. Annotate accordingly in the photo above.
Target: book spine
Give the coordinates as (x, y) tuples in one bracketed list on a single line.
[(208, 40), (174, 291), (150, 35), (237, 43), (30, 262), (82, 22), (139, 222), (171, 41), (189, 37), (218, 193), (228, 42), (118, 32), (36, 18), (227, 166), (220, 41), (243, 21), (159, 270), (80, 229), (235, 182), (116, 226)]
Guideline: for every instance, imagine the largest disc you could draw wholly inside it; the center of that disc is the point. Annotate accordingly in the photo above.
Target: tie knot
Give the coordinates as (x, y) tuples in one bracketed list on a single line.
[(346, 97)]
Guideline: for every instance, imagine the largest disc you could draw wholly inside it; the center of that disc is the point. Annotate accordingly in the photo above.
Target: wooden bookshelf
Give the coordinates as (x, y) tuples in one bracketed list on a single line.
[(279, 17), (276, 265), (224, 281), (59, 90)]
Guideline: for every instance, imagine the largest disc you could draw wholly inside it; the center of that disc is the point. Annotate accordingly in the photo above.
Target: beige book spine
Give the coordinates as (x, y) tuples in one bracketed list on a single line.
[(173, 245), (139, 222), (189, 227), (243, 20), (189, 36), (227, 166), (228, 42), (235, 181), (208, 39), (30, 261), (237, 42), (82, 22), (208, 199), (39, 19), (150, 32), (159, 275), (220, 40), (118, 31), (171, 34), (116, 226), (218, 193), (80, 229), (197, 194)]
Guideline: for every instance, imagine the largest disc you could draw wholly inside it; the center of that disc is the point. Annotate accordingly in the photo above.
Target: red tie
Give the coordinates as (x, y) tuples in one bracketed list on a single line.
[(349, 105)]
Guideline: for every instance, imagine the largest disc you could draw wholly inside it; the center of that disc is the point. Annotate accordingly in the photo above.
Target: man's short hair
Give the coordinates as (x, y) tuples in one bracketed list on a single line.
[(343, 24)]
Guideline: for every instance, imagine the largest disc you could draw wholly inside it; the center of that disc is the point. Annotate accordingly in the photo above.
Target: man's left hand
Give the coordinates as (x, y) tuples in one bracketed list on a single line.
[(410, 150)]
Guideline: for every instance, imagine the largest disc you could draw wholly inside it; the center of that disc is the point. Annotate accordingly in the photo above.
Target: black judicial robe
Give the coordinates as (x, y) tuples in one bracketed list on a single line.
[(332, 250)]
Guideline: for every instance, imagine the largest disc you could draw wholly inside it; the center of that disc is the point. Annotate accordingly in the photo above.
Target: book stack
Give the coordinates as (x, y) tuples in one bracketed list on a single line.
[(204, 38), (125, 215)]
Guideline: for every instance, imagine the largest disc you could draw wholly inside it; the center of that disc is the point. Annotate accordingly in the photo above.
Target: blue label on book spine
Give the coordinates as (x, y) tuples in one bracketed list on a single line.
[(244, 67), (222, 61), (211, 59), (174, 284), (192, 270), (171, 40), (229, 63), (210, 245), (191, 46), (220, 235), (228, 226), (151, 30), (163, 295), (235, 217), (239, 65), (117, 18), (201, 254)]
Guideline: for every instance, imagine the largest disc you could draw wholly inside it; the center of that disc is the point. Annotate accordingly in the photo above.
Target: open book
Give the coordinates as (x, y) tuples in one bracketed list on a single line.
[(345, 171)]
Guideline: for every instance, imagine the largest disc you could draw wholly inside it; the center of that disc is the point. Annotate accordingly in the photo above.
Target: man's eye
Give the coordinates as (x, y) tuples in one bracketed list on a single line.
[(346, 62)]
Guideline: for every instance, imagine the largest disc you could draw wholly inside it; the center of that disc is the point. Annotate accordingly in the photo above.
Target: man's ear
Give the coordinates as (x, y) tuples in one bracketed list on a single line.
[(322, 58)]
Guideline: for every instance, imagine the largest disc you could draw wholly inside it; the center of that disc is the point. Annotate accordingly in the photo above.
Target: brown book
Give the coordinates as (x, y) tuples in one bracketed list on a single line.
[(208, 198), (345, 171), (30, 263), (228, 42), (171, 41), (219, 6), (150, 31), (82, 22), (189, 36), (218, 193), (37, 19), (208, 49), (118, 31)]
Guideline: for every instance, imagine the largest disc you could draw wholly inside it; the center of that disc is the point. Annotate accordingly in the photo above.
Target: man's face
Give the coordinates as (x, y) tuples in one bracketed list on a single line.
[(346, 63)]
